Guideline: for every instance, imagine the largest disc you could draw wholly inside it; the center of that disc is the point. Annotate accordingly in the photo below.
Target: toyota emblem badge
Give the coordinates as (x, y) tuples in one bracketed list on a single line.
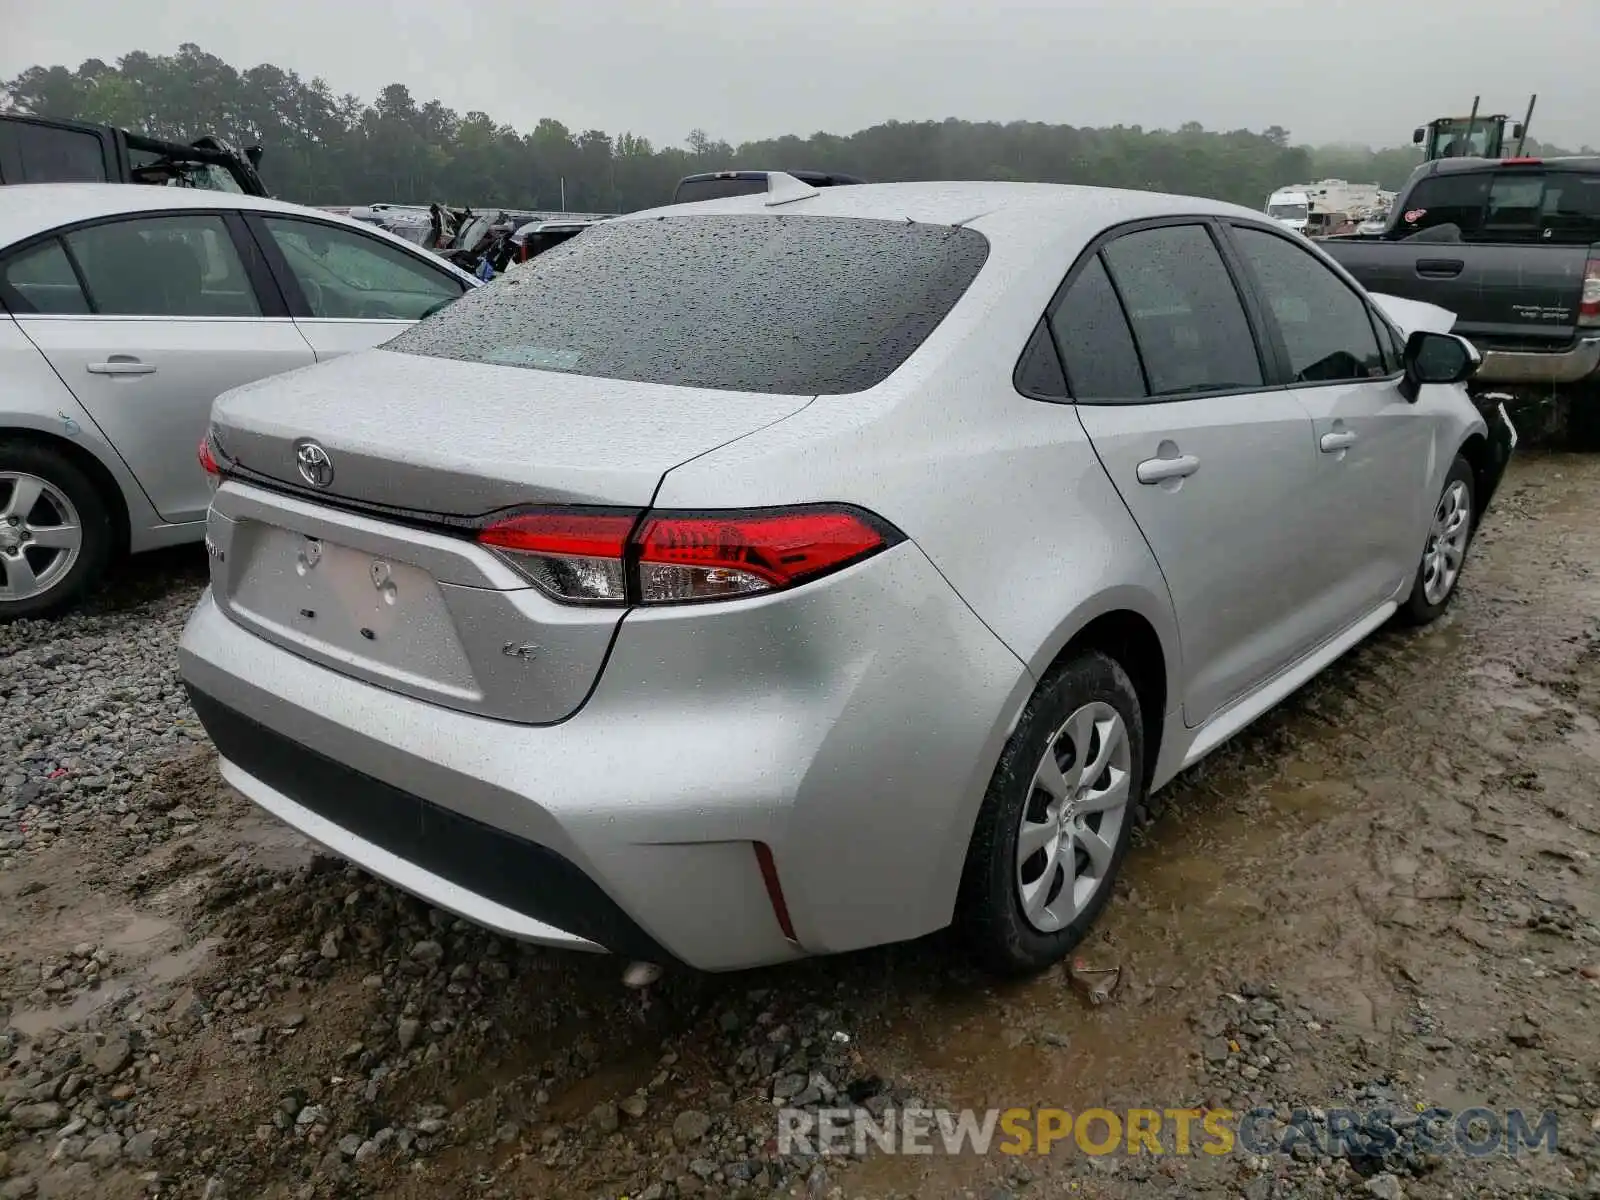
[(316, 468)]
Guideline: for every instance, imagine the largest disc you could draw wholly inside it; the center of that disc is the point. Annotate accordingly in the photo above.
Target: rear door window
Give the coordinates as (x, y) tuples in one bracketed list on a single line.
[(40, 279), (1187, 318), (1455, 199), (184, 265), (1095, 342), (785, 305), (1038, 371)]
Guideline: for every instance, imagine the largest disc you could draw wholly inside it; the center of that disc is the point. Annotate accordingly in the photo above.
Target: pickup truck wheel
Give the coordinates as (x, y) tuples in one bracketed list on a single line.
[(1449, 534), (1583, 420), (55, 531)]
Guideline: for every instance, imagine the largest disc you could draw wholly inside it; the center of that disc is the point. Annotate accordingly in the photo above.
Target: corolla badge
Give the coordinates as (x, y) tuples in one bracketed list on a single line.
[(316, 468)]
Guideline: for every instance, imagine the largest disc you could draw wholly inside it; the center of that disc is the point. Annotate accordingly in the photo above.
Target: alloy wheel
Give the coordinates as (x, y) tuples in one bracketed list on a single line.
[(1447, 542), (41, 535)]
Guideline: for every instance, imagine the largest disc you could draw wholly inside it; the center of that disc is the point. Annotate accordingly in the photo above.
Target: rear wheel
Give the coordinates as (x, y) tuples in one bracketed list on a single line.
[(1055, 822), (1445, 553), (55, 531)]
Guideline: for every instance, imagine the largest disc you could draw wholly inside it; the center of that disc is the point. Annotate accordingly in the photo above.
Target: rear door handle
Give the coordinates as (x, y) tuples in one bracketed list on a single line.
[(1155, 470), (1332, 443), (122, 366), (1440, 268)]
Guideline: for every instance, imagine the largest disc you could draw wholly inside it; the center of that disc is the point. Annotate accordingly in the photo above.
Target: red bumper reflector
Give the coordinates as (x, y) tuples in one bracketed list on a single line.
[(769, 876)]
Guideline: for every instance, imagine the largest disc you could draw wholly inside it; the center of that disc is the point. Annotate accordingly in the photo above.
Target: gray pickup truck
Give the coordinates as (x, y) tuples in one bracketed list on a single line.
[(1512, 247)]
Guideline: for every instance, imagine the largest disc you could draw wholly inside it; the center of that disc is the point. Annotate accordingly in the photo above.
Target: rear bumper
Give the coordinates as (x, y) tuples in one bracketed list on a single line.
[(850, 727), (485, 874), (1576, 363)]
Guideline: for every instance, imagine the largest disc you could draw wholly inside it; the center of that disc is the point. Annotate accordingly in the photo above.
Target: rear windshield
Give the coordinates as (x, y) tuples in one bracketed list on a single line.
[(692, 190), (789, 305)]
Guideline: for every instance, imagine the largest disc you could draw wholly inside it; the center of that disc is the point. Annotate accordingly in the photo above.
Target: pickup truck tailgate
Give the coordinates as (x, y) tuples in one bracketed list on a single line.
[(1511, 296)]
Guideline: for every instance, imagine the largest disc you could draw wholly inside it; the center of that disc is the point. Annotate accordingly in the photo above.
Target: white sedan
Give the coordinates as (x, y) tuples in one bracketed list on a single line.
[(124, 311)]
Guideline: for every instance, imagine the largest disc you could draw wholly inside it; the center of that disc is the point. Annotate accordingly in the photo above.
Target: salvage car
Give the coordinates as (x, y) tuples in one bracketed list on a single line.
[(795, 573), (124, 311), (37, 149)]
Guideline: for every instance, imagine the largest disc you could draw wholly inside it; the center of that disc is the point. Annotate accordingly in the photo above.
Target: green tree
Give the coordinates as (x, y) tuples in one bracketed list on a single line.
[(323, 148)]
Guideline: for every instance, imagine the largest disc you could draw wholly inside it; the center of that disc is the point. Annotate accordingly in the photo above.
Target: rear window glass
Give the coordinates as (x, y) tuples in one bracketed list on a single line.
[(787, 305), (693, 190)]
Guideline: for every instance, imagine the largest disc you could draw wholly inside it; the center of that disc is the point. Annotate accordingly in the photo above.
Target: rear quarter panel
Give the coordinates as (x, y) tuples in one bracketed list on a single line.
[(1003, 494)]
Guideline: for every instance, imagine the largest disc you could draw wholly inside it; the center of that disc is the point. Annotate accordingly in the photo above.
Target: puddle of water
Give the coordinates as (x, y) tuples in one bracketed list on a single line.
[(173, 966), (35, 1021), (141, 935), (1313, 799), (268, 842)]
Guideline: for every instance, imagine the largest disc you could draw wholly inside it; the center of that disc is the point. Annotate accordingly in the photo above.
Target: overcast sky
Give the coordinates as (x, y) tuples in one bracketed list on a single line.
[(1328, 70)]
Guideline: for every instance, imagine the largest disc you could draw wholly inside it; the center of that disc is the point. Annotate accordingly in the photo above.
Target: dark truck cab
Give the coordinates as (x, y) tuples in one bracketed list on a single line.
[(1512, 247), (45, 150)]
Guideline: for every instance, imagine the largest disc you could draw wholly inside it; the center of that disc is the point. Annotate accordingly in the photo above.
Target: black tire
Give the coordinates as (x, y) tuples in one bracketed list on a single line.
[(1583, 419), (989, 913), (1417, 610), (94, 519)]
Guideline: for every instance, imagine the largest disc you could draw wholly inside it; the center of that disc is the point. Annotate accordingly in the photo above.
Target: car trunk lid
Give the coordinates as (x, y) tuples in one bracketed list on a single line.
[(366, 564), (443, 437)]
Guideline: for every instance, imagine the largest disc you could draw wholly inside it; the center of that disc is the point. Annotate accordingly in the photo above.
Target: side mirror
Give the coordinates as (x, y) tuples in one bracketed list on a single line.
[(1417, 135), (1516, 131), (1437, 358)]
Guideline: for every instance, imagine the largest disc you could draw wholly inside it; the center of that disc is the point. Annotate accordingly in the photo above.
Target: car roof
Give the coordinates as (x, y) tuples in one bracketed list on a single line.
[(824, 177), (1585, 163), (1051, 208), (30, 208)]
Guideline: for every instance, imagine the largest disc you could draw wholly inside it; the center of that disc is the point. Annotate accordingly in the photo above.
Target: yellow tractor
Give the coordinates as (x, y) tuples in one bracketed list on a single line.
[(1474, 136)]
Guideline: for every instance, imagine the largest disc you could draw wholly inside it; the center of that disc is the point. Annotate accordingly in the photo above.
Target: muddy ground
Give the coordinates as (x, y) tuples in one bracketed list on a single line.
[(1384, 894)]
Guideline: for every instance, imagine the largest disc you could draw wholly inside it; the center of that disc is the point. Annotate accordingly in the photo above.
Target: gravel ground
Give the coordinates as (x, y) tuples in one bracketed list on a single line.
[(1384, 895)]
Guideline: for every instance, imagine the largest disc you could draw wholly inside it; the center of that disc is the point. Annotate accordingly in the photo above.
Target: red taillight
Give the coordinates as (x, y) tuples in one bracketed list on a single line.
[(208, 461), (611, 557), (575, 556), (1589, 305), (707, 557), (1521, 162)]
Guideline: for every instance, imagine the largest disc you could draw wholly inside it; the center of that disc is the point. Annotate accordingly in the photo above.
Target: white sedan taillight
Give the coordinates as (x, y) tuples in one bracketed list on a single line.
[(614, 558)]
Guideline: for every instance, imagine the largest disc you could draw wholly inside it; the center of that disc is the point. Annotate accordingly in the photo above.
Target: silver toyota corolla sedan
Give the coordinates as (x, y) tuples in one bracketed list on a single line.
[(786, 574)]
